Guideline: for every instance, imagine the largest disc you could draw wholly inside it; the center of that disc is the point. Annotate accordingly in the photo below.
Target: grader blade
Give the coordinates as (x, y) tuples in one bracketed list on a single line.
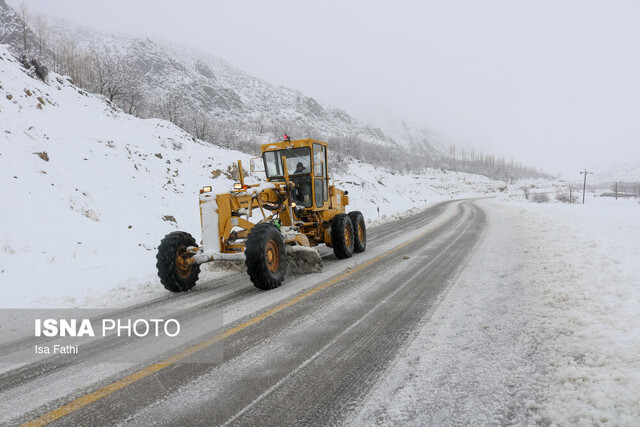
[(303, 260)]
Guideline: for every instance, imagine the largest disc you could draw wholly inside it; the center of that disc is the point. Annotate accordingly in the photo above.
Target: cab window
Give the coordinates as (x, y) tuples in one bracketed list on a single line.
[(298, 162)]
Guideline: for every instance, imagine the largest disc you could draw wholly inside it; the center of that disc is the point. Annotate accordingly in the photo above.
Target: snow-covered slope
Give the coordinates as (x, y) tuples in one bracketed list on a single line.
[(220, 88), (11, 24), (203, 82), (415, 136), (14, 34), (628, 171), (11, 30), (88, 191)]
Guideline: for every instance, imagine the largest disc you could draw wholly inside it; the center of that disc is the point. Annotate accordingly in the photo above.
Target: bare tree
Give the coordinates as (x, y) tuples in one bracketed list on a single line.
[(41, 33), (261, 124), (133, 101), (69, 60), (170, 106), (24, 13), (568, 194), (199, 124), (114, 78)]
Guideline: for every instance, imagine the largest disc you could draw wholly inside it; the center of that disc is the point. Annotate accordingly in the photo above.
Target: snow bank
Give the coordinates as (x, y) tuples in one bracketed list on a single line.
[(542, 326), (582, 262)]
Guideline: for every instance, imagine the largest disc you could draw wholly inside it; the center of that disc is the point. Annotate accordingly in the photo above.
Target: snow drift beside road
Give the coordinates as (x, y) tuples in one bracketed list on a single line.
[(88, 192), (582, 261), (542, 326)]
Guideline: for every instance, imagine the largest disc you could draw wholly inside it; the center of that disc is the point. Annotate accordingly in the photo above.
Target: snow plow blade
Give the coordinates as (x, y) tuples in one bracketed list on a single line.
[(303, 260)]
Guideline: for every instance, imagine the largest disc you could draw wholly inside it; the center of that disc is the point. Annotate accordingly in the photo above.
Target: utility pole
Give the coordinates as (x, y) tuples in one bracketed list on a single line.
[(584, 187), (616, 190)]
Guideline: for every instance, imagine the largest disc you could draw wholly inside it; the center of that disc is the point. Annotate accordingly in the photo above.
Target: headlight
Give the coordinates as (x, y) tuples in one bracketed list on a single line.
[(237, 186), (205, 190)]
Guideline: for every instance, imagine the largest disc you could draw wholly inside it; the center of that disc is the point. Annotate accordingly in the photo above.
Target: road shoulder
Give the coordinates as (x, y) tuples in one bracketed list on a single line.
[(477, 359)]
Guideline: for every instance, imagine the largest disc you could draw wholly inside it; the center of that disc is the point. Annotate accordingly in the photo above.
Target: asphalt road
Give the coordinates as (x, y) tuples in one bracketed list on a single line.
[(305, 353)]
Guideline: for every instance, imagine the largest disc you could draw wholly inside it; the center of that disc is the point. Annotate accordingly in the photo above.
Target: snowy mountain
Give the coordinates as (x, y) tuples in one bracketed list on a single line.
[(225, 92), (218, 103), (415, 136)]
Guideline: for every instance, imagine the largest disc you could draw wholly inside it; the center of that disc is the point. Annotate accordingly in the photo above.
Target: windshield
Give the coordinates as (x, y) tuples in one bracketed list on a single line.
[(298, 162)]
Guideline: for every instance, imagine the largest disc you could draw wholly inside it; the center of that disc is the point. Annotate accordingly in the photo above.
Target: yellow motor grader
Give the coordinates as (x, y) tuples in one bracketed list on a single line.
[(295, 209)]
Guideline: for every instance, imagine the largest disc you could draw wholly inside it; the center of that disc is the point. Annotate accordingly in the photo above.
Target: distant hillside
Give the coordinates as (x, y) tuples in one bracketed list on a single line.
[(617, 172), (20, 38), (417, 137), (252, 108)]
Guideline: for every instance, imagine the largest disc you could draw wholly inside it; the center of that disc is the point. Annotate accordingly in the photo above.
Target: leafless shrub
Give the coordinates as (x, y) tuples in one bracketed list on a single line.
[(567, 195), (34, 67), (540, 197), (202, 68)]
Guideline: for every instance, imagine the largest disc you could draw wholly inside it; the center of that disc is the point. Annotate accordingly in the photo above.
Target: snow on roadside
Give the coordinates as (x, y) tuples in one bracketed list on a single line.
[(542, 326), (582, 262)]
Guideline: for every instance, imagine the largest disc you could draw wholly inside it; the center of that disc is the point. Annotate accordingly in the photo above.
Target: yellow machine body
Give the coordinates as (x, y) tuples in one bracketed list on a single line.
[(297, 196)]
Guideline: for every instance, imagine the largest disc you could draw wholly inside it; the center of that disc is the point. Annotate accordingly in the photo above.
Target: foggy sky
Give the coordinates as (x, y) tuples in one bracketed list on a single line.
[(555, 84)]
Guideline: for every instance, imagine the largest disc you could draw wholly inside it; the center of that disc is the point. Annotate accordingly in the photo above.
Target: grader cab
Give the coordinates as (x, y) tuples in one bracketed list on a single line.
[(296, 209)]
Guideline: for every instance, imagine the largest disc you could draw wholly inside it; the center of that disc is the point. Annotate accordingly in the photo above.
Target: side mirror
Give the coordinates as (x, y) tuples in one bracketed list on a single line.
[(256, 164)]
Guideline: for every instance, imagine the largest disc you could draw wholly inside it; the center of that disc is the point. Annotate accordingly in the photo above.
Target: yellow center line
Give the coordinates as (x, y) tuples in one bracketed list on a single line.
[(143, 373)]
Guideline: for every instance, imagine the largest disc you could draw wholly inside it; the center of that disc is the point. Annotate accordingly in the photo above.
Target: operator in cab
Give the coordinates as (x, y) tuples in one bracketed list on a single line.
[(302, 191)]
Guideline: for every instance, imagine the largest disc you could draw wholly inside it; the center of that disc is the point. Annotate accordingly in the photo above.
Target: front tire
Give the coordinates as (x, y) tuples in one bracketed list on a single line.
[(359, 231), (174, 272), (342, 236), (265, 256)]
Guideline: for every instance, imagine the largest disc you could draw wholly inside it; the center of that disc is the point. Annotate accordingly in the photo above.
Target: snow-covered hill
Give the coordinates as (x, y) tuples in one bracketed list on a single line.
[(415, 136), (226, 92), (88, 191), (11, 28), (15, 34), (628, 171)]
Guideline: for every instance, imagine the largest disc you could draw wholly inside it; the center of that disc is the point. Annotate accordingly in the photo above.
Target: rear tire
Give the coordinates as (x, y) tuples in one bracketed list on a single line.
[(359, 231), (342, 236), (175, 274), (265, 256)]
